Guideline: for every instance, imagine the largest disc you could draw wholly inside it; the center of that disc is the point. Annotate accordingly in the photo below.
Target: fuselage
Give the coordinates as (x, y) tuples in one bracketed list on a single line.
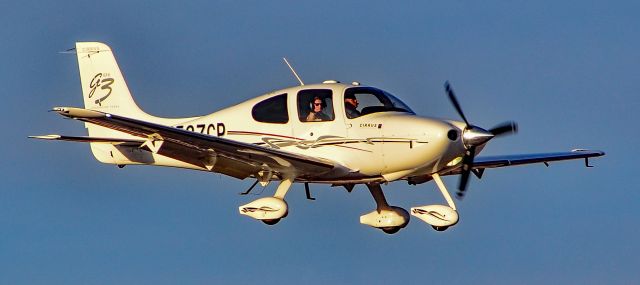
[(384, 141)]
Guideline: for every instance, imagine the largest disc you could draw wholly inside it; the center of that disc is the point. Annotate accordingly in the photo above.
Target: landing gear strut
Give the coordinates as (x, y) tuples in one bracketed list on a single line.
[(440, 217), (269, 210)]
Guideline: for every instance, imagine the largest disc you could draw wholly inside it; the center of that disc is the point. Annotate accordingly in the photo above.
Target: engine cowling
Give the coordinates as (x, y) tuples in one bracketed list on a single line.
[(390, 220), (436, 215), (267, 208)]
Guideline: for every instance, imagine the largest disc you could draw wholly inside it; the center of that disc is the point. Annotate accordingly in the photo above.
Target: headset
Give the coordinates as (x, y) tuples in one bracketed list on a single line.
[(324, 104)]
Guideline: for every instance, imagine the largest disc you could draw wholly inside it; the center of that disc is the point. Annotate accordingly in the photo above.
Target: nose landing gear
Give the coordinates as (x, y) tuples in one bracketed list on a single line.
[(440, 217)]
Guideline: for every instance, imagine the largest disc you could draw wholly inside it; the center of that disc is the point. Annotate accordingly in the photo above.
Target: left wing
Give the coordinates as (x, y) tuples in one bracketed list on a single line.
[(203, 150), (520, 159), (482, 163)]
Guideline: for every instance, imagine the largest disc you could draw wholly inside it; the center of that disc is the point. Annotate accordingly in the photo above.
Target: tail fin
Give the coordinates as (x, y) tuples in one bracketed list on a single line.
[(104, 89), (103, 86)]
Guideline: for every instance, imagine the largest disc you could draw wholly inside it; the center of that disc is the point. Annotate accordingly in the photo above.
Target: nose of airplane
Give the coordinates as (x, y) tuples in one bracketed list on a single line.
[(474, 136), (435, 134), (431, 142)]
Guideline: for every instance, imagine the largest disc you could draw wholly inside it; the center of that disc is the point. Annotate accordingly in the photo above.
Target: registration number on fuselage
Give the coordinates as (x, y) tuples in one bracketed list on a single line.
[(207, 129)]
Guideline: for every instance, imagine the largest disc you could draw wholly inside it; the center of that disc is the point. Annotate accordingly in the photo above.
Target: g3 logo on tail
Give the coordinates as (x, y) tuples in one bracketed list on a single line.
[(105, 84)]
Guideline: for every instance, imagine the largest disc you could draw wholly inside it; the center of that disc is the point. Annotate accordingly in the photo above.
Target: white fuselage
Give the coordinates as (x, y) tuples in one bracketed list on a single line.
[(391, 145)]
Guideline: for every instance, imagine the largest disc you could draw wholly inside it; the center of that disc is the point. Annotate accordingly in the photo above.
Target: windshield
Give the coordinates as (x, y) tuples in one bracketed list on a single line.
[(360, 101)]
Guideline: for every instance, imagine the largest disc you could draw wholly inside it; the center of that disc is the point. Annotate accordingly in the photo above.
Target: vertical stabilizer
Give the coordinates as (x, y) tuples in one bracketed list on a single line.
[(103, 86), (104, 89)]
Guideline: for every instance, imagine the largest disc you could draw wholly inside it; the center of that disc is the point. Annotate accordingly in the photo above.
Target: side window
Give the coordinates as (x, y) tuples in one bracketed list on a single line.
[(272, 110), (315, 105)]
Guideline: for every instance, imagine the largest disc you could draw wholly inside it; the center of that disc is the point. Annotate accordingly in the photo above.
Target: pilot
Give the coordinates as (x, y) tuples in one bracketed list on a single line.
[(316, 114), (350, 105)]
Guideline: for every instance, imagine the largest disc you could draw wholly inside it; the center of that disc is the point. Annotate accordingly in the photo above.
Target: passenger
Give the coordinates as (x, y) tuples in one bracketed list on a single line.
[(351, 105), (317, 114)]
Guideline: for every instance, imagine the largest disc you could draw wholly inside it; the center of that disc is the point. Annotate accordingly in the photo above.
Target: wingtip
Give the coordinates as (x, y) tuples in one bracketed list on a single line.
[(594, 152), (45, 137), (74, 112)]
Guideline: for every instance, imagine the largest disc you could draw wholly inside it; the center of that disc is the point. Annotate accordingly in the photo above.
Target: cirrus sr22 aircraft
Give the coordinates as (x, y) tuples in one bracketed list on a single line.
[(328, 133)]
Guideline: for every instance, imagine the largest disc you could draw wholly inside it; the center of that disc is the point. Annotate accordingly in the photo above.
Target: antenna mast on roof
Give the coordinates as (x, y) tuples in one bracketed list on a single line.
[(293, 71)]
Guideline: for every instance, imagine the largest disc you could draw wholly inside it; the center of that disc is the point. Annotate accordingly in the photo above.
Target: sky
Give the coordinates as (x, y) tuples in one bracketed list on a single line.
[(566, 71)]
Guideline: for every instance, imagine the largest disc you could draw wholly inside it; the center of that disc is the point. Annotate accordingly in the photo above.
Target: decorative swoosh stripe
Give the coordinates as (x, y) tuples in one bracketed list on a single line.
[(263, 208), (275, 141), (430, 213), (244, 133)]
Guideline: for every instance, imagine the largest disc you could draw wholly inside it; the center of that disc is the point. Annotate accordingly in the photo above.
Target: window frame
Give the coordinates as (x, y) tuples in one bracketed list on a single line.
[(372, 91), (332, 116), (264, 102)]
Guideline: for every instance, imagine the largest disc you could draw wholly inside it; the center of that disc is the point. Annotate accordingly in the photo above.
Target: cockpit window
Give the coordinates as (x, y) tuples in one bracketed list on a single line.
[(272, 110), (361, 101), (315, 105)]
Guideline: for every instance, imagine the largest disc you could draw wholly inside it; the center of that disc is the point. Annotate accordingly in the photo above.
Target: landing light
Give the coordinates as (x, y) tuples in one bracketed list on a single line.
[(455, 161)]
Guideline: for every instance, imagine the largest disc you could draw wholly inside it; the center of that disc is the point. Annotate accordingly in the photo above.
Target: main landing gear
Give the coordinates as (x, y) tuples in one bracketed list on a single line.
[(269, 210), (389, 219)]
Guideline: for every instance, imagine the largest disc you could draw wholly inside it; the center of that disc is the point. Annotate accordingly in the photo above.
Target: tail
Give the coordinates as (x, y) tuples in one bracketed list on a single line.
[(103, 86), (104, 89)]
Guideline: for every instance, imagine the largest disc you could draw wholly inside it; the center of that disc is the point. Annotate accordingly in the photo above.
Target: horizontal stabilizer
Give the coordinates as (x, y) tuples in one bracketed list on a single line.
[(113, 141)]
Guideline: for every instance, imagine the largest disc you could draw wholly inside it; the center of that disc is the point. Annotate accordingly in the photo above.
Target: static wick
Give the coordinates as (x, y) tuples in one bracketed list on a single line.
[(69, 51)]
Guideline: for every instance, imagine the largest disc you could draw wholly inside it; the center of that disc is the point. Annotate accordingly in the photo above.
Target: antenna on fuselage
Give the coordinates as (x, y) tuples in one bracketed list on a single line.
[(293, 71)]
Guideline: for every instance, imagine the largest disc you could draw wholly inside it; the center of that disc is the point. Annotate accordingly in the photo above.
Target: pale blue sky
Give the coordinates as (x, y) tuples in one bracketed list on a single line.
[(566, 72)]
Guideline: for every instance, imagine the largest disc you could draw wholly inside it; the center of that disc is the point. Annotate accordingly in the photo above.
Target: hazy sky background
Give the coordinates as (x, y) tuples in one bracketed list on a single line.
[(566, 72)]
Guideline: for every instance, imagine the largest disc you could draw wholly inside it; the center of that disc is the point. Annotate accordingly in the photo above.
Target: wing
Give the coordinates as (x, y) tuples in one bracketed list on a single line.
[(520, 159), (482, 163), (203, 150)]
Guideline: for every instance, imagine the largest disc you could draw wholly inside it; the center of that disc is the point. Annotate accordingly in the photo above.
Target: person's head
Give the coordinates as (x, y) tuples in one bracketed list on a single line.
[(316, 104), (351, 100)]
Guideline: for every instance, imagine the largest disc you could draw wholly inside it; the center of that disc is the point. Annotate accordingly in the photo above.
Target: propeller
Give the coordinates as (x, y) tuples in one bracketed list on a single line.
[(504, 128), (472, 137)]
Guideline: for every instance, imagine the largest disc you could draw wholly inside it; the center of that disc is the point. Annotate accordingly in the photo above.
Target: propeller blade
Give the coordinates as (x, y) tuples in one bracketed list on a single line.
[(504, 128), (467, 165), (454, 101)]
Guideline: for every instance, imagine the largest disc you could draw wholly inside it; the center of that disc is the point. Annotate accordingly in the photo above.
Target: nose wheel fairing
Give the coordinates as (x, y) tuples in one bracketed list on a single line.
[(440, 217)]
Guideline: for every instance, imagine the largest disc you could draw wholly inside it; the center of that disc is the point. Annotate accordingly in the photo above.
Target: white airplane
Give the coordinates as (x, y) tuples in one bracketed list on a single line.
[(328, 133)]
